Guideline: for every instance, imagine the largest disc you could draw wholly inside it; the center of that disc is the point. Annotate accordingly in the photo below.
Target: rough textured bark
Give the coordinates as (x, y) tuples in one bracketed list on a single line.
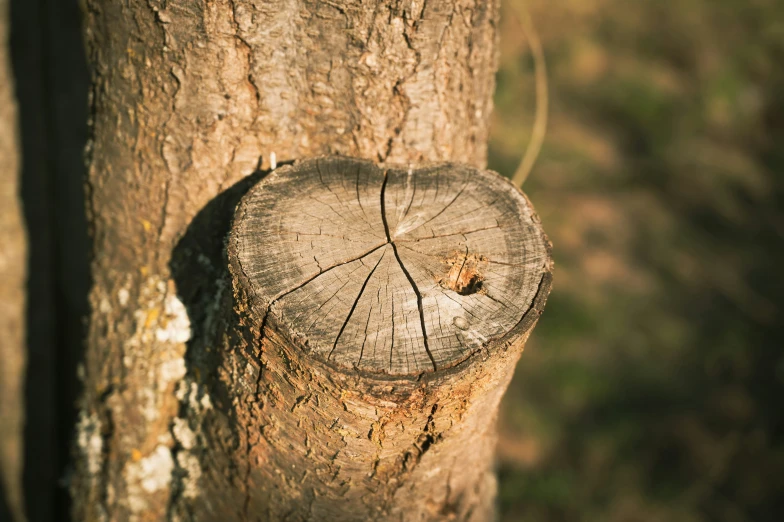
[(375, 319), (188, 99), (12, 298)]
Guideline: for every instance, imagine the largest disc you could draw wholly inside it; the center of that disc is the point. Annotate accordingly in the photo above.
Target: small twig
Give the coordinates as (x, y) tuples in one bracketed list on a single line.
[(540, 119)]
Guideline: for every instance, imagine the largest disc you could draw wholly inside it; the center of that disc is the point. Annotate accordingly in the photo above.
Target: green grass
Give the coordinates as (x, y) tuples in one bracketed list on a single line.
[(652, 387)]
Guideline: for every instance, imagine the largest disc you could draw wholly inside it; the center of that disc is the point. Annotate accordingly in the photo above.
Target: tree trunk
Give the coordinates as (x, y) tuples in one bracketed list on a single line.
[(189, 100), (12, 297)]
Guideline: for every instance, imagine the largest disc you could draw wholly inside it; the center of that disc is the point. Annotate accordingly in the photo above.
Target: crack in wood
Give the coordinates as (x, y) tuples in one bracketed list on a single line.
[(367, 326), (359, 199), (416, 240), (405, 272), (485, 259), (459, 193), (354, 306), (322, 272)]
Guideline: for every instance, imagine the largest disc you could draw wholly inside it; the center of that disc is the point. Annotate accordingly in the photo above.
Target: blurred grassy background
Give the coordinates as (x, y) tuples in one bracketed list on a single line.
[(653, 386)]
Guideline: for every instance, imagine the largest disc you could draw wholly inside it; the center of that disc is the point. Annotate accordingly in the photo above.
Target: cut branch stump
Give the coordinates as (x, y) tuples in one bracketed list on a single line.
[(378, 313)]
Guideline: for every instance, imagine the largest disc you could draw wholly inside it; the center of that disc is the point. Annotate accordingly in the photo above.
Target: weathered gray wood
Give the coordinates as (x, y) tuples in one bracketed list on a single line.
[(390, 270), (376, 317)]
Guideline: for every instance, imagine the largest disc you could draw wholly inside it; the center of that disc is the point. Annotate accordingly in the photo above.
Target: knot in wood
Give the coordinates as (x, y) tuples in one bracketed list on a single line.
[(388, 269)]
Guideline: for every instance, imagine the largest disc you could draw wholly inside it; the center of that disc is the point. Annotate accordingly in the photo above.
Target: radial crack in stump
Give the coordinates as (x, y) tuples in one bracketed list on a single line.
[(389, 270)]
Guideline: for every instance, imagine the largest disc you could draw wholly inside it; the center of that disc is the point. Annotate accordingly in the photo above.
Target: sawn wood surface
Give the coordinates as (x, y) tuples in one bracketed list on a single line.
[(391, 270)]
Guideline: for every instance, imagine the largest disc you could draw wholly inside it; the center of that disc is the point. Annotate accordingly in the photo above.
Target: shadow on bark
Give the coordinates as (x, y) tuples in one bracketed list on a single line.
[(5, 509), (51, 84), (199, 267)]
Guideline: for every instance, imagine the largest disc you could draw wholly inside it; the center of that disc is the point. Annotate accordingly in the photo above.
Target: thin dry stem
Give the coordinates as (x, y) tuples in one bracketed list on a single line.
[(540, 121)]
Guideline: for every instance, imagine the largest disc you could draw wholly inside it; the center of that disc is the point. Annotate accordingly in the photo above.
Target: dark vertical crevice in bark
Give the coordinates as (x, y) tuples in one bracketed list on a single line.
[(52, 83), (27, 53), (67, 86), (107, 431), (5, 508)]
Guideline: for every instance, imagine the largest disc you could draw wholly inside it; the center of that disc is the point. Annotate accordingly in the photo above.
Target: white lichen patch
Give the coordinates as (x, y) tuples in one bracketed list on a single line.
[(104, 306), (148, 403), (149, 475), (175, 326), (160, 315), (156, 469), (122, 296), (190, 464), (195, 399), (171, 371), (89, 441), (196, 402), (156, 350), (183, 433), (156, 353), (184, 389)]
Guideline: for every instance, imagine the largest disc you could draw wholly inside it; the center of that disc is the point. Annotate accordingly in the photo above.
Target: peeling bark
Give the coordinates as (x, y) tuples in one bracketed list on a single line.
[(188, 100), (12, 295)]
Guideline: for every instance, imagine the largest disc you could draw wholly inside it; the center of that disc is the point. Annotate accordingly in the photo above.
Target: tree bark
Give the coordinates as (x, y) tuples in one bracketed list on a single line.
[(189, 100), (13, 259)]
